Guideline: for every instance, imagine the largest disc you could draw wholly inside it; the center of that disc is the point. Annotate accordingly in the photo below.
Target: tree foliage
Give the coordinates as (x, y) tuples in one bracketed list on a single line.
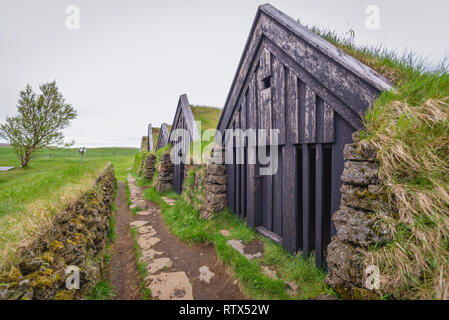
[(39, 122)]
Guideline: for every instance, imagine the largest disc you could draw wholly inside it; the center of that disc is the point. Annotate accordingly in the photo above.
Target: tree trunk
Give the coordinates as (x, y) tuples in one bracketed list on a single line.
[(25, 159)]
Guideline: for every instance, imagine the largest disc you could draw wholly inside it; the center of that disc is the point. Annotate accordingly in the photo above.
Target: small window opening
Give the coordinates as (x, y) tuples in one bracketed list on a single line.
[(267, 82)]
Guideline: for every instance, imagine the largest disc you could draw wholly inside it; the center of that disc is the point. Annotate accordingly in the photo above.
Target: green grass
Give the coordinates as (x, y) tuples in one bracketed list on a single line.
[(409, 129), (415, 79), (127, 192), (112, 236), (30, 197), (102, 291), (185, 223), (208, 116), (143, 273)]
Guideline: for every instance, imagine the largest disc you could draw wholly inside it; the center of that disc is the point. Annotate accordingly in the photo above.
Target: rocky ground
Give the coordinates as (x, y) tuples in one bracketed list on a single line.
[(176, 270)]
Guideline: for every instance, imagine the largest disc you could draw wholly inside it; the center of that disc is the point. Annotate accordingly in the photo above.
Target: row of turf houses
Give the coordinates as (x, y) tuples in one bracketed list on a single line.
[(314, 94)]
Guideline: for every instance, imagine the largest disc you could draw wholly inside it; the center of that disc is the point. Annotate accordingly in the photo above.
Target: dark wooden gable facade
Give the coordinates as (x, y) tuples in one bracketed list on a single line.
[(164, 134), (183, 120), (292, 80)]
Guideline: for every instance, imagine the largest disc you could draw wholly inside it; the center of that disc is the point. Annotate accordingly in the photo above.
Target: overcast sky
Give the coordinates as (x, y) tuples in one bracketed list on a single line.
[(130, 60)]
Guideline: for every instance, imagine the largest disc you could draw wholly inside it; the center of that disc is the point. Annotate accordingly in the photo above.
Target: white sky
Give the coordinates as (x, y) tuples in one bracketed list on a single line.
[(130, 60)]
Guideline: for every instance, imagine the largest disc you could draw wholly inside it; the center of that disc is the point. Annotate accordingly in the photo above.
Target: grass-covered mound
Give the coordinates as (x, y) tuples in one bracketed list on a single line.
[(409, 128), (208, 116)]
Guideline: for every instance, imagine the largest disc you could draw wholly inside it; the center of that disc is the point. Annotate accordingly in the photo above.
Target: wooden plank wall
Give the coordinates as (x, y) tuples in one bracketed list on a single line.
[(291, 80), (162, 140), (294, 205)]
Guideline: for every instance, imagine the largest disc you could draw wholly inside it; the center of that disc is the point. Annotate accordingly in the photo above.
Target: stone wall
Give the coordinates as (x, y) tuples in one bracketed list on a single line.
[(141, 164), (150, 166), (356, 227), (165, 174), (144, 144), (77, 237), (206, 189)]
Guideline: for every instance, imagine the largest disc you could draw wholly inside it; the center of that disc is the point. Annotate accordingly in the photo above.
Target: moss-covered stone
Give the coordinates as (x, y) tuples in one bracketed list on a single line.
[(76, 237)]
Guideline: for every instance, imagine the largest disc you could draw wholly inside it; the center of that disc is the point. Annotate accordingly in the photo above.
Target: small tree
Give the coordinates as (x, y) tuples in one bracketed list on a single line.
[(39, 122)]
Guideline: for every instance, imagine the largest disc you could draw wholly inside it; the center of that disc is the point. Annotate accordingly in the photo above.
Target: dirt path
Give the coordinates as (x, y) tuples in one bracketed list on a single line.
[(123, 272), (176, 269)]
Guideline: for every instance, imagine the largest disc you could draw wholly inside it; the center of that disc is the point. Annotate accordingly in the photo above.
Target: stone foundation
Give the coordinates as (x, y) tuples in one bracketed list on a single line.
[(207, 193), (356, 227), (77, 238), (150, 166), (141, 164), (165, 175)]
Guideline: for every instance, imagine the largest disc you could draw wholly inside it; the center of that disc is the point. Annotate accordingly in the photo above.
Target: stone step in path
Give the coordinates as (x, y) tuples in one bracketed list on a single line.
[(170, 201), (177, 270)]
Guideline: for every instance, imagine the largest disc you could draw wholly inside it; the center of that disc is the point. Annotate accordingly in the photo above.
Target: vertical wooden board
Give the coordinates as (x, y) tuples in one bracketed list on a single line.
[(243, 185), (268, 202), (319, 204), (279, 99), (265, 119), (238, 190), (292, 109), (319, 120), (243, 114), (301, 110), (309, 116), (181, 176), (234, 177), (229, 188), (251, 195), (265, 64), (328, 126), (305, 200), (277, 195), (251, 109), (289, 199)]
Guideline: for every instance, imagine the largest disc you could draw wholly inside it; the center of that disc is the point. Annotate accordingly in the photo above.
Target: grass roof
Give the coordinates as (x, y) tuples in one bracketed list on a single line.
[(208, 116), (409, 128)]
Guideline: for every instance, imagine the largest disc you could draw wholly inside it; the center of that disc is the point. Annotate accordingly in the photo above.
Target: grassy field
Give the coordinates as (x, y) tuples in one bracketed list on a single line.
[(30, 197)]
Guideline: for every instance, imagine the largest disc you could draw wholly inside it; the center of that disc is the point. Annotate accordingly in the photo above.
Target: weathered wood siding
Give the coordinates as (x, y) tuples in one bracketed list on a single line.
[(183, 120), (292, 80), (164, 134)]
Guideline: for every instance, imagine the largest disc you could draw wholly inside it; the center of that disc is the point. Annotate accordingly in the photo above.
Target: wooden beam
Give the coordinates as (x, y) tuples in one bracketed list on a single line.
[(310, 116), (290, 218), (305, 199), (279, 92), (292, 109), (319, 167)]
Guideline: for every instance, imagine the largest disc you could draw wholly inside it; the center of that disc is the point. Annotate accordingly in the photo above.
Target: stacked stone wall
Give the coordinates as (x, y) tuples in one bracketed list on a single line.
[(165, 173), (150, 163), (77, 238), (206, 189), (355, 222)]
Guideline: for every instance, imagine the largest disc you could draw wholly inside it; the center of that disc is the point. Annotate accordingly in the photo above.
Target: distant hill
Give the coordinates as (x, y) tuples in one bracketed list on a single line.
[(4, 145)]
